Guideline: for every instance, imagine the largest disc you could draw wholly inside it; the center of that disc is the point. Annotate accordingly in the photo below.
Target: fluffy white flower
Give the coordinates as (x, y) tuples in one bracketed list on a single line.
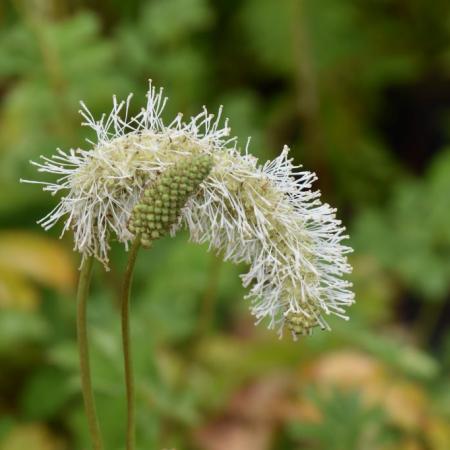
[(264, 215)]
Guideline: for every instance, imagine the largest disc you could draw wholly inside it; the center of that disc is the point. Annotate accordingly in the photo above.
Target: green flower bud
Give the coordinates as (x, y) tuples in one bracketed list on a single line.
[(159, 207)]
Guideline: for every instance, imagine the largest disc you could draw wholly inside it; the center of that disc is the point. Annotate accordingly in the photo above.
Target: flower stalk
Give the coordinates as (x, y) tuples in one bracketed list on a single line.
[(151, 218), (128, 362), (82, 337)]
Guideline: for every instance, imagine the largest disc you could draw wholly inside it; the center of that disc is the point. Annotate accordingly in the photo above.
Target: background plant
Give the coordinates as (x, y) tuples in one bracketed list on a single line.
[(361, 92)]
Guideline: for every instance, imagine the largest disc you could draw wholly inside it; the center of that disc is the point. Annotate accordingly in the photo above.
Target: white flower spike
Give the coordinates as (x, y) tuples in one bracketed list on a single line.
[(266, 216)]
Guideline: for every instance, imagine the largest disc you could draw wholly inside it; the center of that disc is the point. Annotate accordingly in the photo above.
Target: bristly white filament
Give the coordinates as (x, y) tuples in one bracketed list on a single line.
[(267, 216)]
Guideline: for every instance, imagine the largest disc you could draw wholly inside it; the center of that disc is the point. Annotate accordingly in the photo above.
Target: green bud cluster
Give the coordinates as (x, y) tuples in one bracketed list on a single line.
[(300, 324), (159, 207)]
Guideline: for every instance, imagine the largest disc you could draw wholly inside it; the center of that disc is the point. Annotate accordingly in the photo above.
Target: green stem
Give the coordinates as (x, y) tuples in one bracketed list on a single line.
[(125, 312), (86, 383)]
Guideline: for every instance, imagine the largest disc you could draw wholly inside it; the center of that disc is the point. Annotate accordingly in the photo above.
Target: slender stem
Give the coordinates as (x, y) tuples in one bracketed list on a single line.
[(129, 380), (86, 383)]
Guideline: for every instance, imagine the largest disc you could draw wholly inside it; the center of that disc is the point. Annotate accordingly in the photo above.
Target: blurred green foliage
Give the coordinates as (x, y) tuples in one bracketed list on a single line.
[(361, 92), (346, 423)]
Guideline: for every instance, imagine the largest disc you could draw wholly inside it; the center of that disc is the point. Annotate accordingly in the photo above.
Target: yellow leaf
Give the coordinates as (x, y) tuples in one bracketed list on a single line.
[(41, 258), (438, 433), (31, 436), (16, 291), (405, 402), (346, 368)]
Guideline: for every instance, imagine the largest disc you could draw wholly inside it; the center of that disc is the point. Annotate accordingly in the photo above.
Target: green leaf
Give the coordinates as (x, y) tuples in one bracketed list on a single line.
[(44, 394)]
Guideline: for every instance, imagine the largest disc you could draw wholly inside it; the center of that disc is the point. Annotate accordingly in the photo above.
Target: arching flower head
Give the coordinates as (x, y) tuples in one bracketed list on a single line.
[(266, 215)]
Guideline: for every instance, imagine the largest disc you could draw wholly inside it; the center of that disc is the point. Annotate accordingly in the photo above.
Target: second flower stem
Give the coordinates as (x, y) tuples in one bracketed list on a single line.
[(82, 337), (125, 314)]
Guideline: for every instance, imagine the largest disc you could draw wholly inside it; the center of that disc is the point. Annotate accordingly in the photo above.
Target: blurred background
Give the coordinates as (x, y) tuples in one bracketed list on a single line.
[(360, 90)]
